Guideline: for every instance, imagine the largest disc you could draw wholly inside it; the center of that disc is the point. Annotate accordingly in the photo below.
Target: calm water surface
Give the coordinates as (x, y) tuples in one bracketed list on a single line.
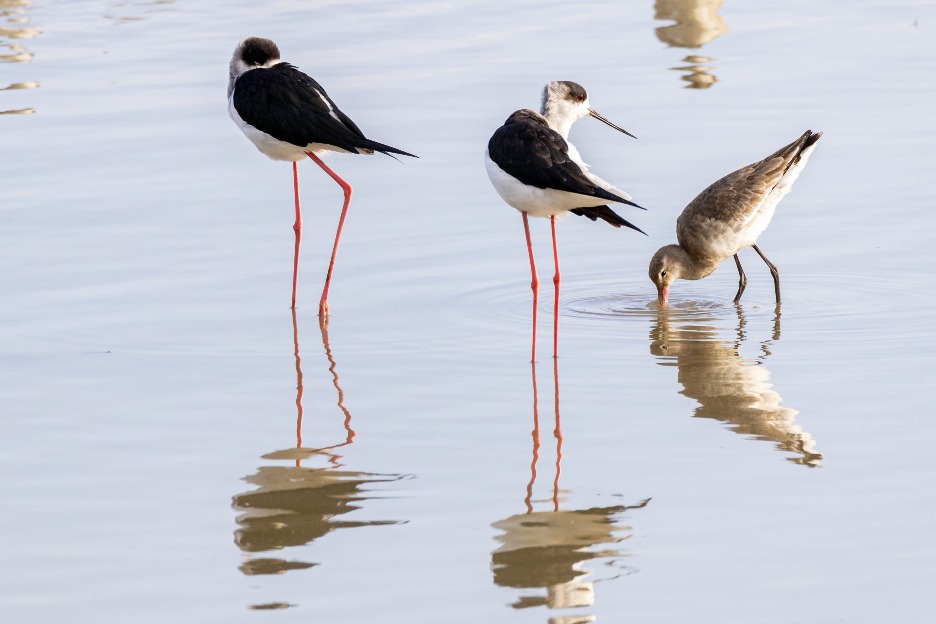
[(178, 447)]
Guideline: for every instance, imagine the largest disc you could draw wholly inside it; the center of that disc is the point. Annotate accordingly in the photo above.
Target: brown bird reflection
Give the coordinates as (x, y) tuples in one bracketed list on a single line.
[(697, 23), (728, 386), (698, 75), (294, 505), (548, 549), (14, 25)]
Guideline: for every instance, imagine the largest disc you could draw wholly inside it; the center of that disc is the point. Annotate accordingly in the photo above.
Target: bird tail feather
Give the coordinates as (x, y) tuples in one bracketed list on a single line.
[(606, 214)]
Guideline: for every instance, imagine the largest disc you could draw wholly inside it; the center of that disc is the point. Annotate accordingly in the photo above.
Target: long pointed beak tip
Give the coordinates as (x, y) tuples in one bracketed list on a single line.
[(605, 120)]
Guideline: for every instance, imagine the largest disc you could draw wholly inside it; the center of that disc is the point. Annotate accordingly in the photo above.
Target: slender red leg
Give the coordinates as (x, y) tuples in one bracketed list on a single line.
[(557, 279), (535, 283), (297, 228), (323, 303)]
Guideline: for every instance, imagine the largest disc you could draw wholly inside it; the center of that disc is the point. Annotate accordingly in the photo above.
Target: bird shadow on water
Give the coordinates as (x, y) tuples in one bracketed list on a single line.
[(727, 385), (292, 505), (549, 549)]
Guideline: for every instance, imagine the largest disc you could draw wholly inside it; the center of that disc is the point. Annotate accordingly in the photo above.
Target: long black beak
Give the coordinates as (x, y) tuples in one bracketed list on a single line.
[(604, 120)]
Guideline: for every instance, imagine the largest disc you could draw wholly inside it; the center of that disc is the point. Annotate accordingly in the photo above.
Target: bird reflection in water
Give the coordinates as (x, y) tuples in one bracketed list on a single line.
[(294, 505), (130, 11), (728, 386), (697, 23), (548, 549), (14, 26)]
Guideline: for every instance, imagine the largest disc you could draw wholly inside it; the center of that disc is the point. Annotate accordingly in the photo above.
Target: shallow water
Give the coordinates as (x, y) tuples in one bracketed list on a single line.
[(179, 447)]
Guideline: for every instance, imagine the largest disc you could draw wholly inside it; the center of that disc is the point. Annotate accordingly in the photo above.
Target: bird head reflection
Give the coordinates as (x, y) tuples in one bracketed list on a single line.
[(728, 386)]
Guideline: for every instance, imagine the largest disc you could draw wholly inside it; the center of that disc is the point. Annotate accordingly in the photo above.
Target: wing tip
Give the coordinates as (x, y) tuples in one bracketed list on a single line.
[(606, 214)]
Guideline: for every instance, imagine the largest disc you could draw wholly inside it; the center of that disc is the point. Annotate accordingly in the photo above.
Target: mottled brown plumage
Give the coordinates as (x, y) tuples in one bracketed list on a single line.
[(728, 216)]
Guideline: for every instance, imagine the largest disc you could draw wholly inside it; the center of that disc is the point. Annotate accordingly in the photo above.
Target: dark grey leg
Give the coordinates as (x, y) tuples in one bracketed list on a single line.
[(742, 282), (773, 271)]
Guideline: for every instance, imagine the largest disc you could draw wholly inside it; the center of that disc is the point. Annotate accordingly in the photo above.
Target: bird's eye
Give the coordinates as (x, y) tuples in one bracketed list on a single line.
[(663, 273), (580, 98)]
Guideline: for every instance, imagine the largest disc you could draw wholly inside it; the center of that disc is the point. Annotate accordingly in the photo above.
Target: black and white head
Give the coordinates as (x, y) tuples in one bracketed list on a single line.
[(251, 53), (565, 102), (564, 99)]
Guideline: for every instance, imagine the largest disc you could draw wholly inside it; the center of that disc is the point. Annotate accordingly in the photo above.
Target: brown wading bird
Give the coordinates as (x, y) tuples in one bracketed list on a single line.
[(728, 216)]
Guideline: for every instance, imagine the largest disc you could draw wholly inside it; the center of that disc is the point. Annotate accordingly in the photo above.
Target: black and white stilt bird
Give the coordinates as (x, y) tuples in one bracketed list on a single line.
[(288, 116), (536, 170)]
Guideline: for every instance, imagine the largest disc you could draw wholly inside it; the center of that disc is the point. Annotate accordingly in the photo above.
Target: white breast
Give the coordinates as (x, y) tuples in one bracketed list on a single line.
[(536, 202)]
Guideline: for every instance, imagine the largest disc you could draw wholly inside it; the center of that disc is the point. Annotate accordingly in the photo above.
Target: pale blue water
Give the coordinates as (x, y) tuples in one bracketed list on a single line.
[(148, 404)]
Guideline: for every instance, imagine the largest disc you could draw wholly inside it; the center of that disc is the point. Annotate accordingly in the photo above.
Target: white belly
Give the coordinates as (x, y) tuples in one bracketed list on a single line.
[(274, 148), (536, 202), (761, 219)]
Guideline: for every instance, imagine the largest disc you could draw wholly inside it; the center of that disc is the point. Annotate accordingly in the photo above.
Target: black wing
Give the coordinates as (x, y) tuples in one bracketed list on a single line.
[(605, 214), (292, 107), (529, 150)]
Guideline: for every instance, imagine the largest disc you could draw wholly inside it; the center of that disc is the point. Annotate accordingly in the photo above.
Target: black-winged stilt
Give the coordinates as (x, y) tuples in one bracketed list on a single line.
[(728, 216), (536, 170), (288, 116)]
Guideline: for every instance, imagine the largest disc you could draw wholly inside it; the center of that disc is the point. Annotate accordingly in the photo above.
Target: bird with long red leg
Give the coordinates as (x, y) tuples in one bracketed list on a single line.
[(536, 170), (288, 116)]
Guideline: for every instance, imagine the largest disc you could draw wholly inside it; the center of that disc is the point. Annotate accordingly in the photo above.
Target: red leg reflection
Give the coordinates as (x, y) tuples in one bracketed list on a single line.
[(558, 433), (299, 387), (332, 368), (536, 444)]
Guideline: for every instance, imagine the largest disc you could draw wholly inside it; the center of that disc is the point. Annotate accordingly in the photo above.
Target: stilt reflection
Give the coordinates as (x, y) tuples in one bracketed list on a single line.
[(14, 26), (548, 550), (129, 12), (728, 386), (332, 368), (697, 23), (294, 505)]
